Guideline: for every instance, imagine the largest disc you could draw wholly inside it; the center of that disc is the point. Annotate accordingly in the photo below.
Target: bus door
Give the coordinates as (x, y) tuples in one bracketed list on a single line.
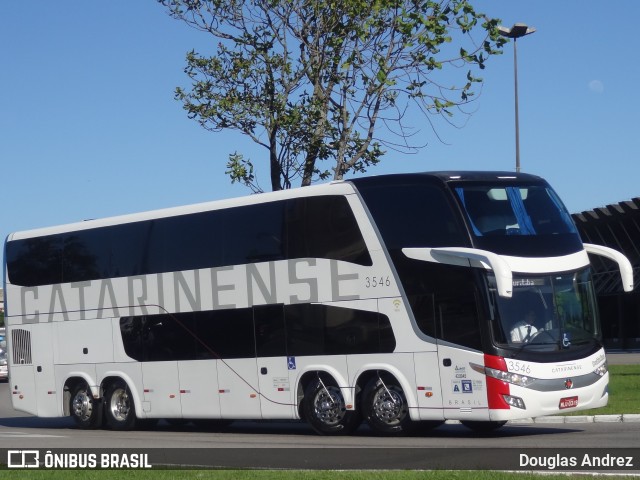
[(276, 394), (33, 385), (464, 391), (234, 347)]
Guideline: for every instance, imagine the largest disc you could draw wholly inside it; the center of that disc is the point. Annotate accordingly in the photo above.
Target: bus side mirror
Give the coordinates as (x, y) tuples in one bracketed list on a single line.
[(473, 257), (626, 270)]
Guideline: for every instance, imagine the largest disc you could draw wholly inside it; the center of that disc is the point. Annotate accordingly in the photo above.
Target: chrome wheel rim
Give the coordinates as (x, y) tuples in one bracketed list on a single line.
[(329, 406), (82, 405), (389, 406), (119, 405)]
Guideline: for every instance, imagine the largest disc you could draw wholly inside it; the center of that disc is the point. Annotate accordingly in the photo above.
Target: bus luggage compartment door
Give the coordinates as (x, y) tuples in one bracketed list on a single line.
[(199, 389), (33, 383), (238, 388)]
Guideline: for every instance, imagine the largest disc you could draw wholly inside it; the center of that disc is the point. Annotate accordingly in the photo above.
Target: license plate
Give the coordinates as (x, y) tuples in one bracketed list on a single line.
[(568, 402)]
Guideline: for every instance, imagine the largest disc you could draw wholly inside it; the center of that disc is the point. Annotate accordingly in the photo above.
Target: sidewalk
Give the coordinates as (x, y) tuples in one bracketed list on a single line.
[(555, 419), (559, 419), (623, 357)]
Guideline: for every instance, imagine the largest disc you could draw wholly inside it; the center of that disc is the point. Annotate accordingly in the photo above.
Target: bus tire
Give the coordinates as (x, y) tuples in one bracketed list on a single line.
[(482, 426), (85, 410), (385, 407), (325, 409), (119, 410)]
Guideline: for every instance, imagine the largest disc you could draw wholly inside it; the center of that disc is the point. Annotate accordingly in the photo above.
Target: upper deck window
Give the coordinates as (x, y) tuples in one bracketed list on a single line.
[(414, 214), (305, 227)]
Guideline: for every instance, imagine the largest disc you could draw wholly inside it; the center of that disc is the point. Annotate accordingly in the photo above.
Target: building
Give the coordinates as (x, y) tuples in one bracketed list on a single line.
[(616, 226)]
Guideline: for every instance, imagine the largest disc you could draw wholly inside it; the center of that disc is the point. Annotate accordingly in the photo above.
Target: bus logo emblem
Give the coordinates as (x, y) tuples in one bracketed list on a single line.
[(23, 458)]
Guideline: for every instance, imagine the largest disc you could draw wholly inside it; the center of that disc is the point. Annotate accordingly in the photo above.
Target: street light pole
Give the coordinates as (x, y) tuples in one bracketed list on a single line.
[(515, 32)]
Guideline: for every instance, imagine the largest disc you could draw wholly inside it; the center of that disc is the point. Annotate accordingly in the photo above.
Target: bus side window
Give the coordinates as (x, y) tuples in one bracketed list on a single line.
[(35, 261), (226, 333), (254, 234), (458, 321), (269, 330), (328, 330), (423, 311), (324, 227)]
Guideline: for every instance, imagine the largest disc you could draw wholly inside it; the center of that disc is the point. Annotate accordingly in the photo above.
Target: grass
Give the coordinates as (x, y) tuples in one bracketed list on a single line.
[(624, 388)]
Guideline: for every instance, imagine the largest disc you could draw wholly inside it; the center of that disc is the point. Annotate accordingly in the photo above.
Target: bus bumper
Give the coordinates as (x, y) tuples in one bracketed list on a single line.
[(555, 402)]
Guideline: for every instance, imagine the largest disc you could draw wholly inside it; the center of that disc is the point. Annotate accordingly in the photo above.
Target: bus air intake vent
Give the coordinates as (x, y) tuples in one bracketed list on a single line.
[(21, 342)]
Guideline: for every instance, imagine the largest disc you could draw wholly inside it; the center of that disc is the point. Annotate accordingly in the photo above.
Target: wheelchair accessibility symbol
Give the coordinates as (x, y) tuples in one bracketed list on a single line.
[(291, 363)]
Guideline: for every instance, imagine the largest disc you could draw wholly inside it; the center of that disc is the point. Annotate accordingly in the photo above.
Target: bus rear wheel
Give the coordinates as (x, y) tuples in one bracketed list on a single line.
[(85, 410), (325, 409), (120, 412), (385, 407)]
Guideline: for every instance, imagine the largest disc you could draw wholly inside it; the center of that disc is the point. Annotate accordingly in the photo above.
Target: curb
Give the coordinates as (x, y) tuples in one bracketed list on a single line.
[(623, 418), (558, 419)]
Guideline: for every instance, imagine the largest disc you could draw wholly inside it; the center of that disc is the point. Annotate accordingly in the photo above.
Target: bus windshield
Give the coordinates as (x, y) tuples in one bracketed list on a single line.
[(518, 219), (547, 313), (514, 210)]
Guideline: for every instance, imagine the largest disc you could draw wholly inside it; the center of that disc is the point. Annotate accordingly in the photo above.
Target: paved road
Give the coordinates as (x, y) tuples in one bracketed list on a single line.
[(294, 445), (288, 445)]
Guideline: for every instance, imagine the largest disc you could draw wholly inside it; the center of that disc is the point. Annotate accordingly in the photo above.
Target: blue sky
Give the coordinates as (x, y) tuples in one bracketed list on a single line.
[(89, 126)]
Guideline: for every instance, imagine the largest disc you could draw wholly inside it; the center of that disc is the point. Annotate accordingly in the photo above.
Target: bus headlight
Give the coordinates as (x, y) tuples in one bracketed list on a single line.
[(510, 377), (601, 370), (514, 401)]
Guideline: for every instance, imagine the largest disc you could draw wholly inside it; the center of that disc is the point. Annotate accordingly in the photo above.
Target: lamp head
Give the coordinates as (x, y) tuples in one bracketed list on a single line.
[(518, 30)]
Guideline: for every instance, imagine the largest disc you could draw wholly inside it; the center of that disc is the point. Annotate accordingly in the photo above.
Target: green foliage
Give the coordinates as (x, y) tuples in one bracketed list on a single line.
[(241, 171), (314, 82)]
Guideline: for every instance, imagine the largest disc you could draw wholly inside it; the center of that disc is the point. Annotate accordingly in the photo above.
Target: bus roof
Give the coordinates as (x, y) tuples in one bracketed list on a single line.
[(447, 176)]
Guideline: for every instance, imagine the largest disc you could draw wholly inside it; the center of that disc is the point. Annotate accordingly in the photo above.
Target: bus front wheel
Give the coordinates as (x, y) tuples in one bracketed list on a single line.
[(85, 410), (325, 410), (120, 412), (385, 407)]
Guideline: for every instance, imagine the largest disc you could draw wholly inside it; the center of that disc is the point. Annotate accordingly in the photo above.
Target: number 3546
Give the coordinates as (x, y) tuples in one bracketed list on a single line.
[(375, 282), (517, 367)]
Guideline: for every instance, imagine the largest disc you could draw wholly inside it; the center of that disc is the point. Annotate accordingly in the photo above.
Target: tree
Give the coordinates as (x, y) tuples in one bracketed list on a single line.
[(318, 82)]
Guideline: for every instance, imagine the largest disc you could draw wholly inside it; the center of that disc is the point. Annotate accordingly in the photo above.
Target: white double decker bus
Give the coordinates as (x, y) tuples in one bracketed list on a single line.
[(403, 300)]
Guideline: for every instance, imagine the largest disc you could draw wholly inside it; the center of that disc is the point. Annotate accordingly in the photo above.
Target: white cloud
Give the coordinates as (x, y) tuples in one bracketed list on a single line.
[(596, 86)]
